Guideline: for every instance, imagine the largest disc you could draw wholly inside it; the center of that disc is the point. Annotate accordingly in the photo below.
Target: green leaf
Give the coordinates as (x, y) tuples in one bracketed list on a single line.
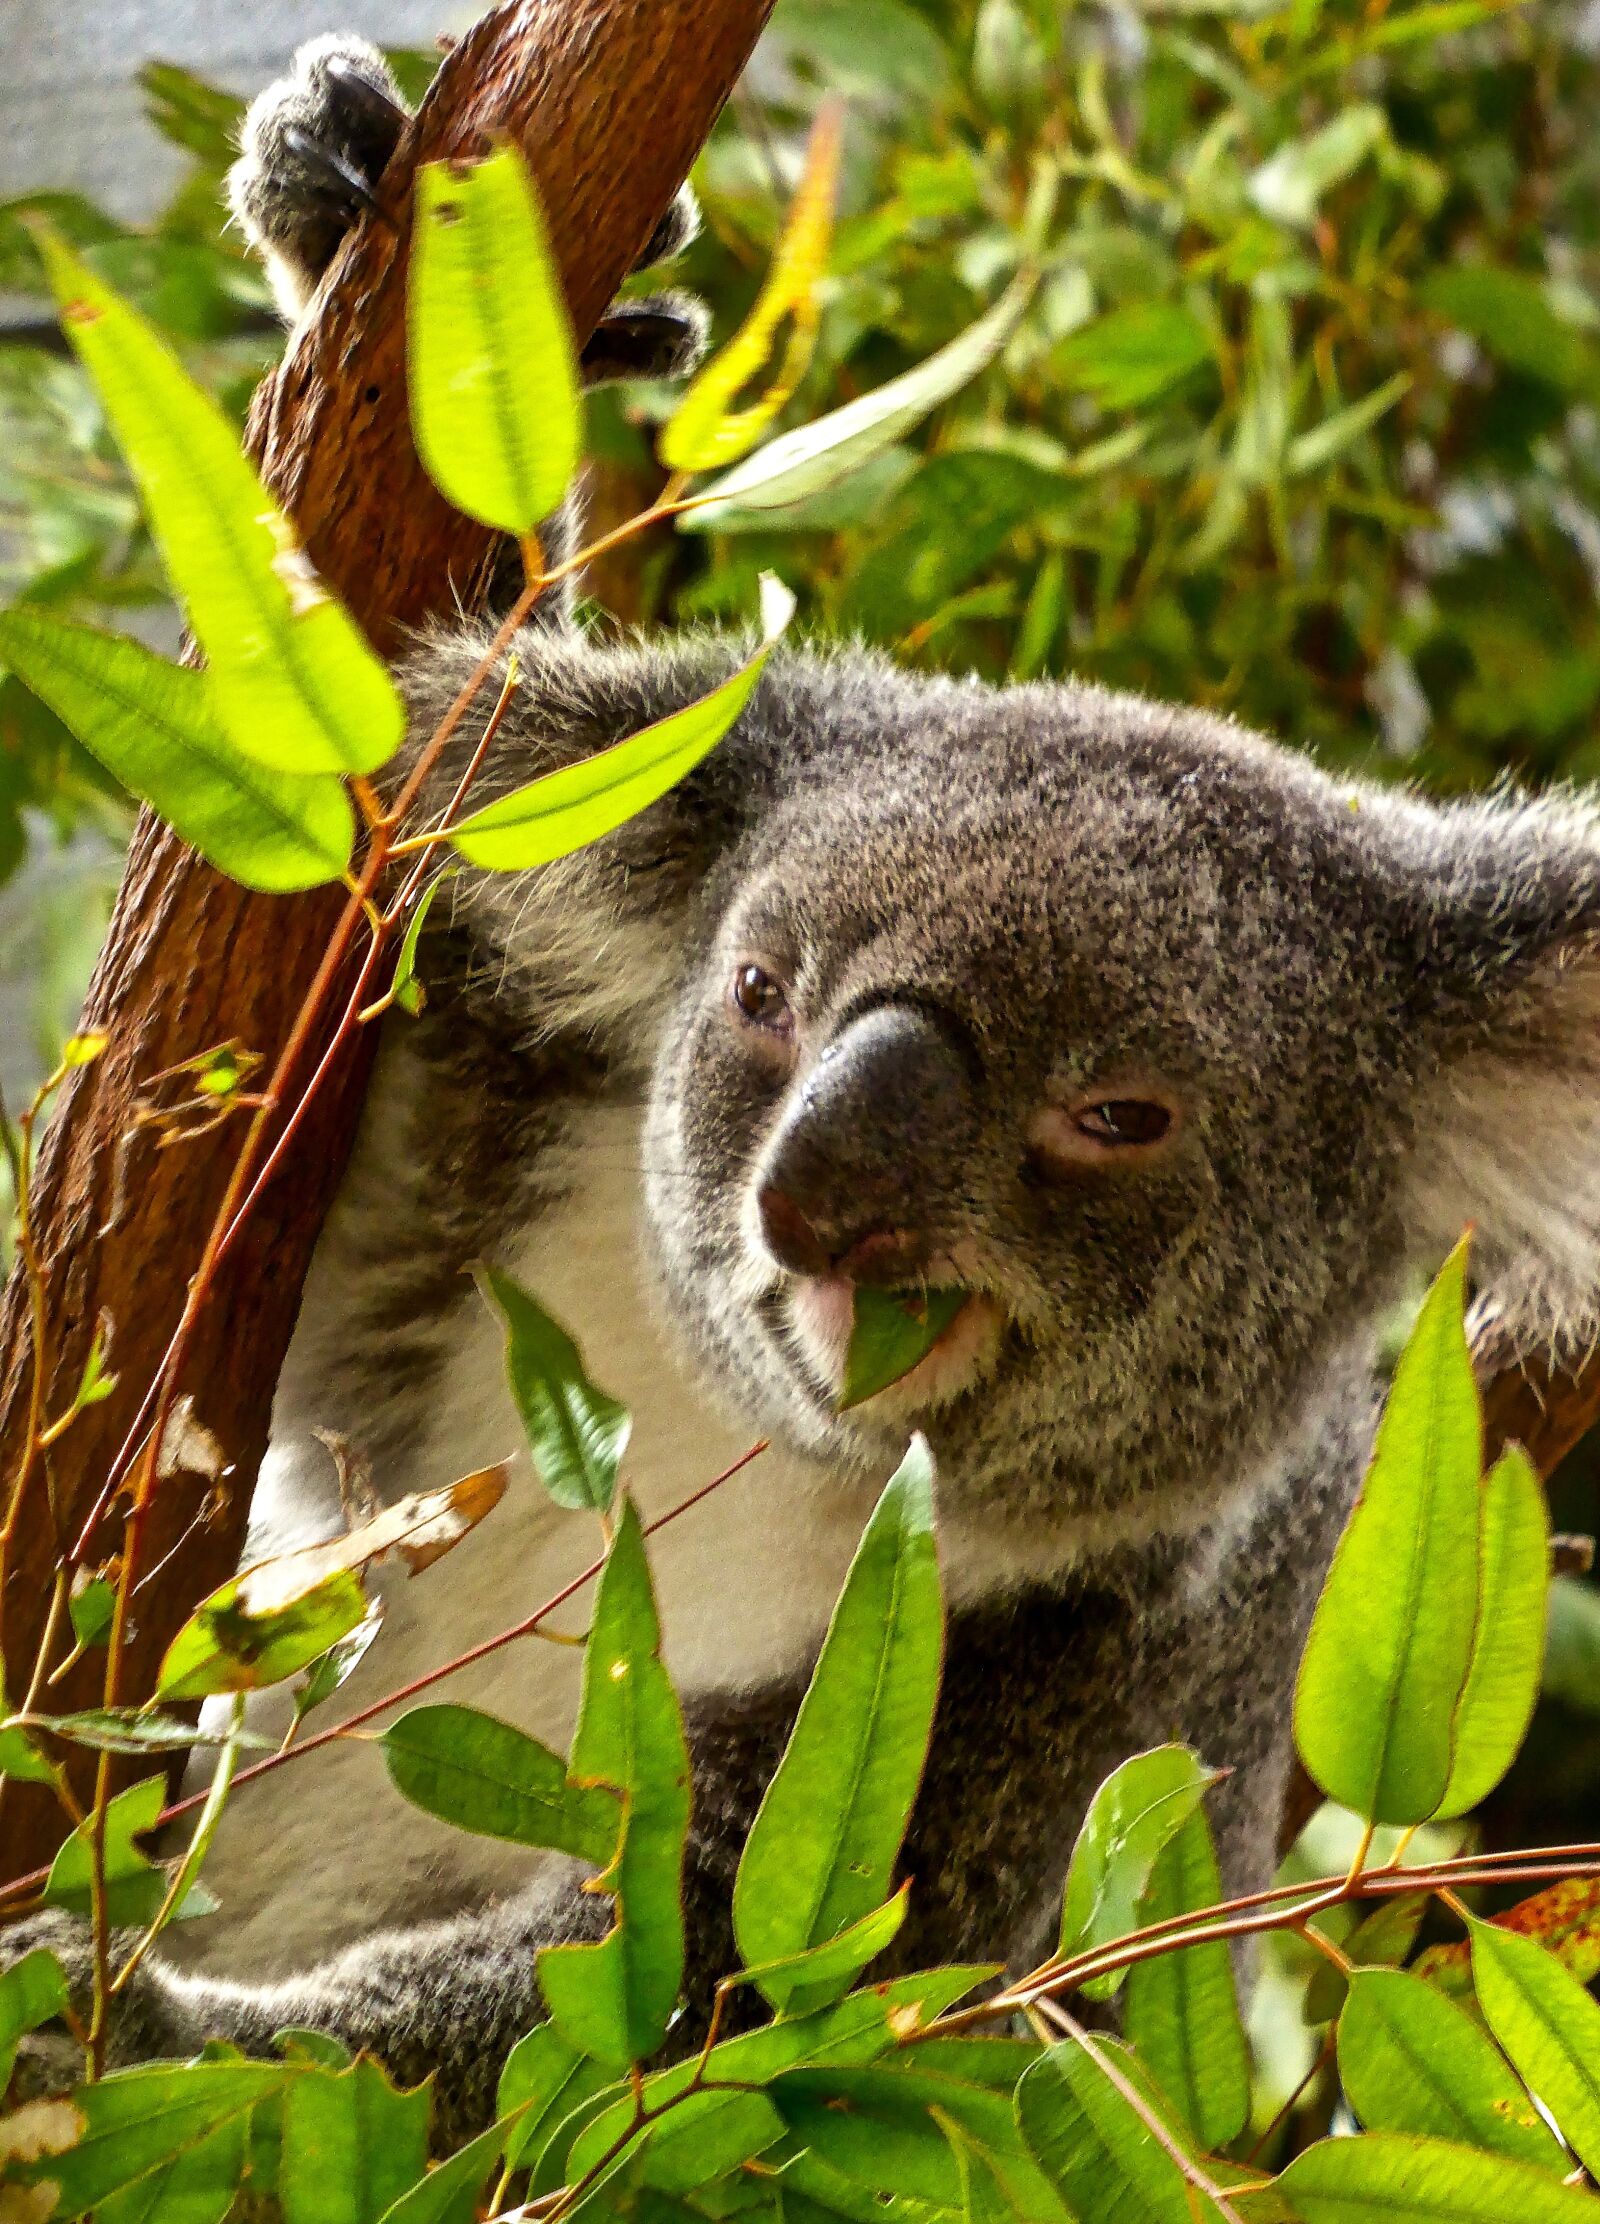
[(578, 803), (1134, 355), (1182, 2010), (1289, 186), (1564, 1918), (576, 1434), (1503, 1675), (338, 1664), (1311, 450), (891, 1330), (1572, 1646), (483, 1775), (151, 724), (492, 370), (1510, 313), (135, 1887), (1135, 1812), (449, 2193), (93, 1607), (1411, 2060), (1381, 1940), (802, 463), (545, 2078), (138, 2121), (1550, 2028), (130, 1730), (1392, 1637), (1385, 2178), (32, 1990), (197, 2186), (406, 989), (21, 1759), (880, 2125), (291, 679), (822, 1848), (615, 1999), (1093, 2145), (818, 1970), (223, 1647), (352, 2145)]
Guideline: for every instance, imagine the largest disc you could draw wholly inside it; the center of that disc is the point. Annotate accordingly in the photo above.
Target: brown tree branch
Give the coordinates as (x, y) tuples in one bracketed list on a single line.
[(611, 101)]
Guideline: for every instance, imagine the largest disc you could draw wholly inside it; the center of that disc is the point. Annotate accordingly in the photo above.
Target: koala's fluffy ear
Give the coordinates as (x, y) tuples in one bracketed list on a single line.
[(1502, 948)]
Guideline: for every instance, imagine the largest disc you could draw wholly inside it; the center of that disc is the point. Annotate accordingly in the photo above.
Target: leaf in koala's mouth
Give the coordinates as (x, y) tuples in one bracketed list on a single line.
[(892, 1330)]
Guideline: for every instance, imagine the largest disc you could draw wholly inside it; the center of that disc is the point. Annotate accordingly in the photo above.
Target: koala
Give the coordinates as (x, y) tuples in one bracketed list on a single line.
[(1178, 1057)]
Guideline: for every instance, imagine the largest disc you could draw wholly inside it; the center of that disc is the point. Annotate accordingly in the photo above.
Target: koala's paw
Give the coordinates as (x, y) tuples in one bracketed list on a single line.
[(314, 146), (143, 2026)]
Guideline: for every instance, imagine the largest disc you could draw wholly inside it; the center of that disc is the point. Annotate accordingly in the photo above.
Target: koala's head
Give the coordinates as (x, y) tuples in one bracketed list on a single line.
[(1171, 1053)]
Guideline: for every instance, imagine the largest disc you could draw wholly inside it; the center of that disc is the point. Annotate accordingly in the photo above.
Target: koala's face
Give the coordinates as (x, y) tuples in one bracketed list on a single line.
[(1088, 1010)]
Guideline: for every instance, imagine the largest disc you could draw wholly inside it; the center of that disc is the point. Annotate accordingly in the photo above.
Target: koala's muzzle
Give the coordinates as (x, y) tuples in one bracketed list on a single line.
[(867, 1146)]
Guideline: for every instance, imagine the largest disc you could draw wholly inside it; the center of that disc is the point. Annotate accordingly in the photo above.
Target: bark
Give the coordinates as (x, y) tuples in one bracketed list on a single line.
[(611, 101)]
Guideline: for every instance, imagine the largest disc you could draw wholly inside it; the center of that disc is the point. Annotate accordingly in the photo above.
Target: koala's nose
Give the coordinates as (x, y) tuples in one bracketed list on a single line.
[(868, 1148)]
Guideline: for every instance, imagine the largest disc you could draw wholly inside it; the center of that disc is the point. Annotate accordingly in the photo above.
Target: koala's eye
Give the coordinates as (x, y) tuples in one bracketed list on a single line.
[(759, 1000), (1123, 1120)]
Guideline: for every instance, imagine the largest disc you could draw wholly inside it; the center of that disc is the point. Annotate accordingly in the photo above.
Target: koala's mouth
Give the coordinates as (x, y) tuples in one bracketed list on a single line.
[(818, 1313)]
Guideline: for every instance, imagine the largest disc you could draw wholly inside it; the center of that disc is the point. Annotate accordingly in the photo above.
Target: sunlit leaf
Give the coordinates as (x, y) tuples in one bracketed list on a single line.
[(152, 724), (1387, 2178), (803, 462), (577, 804), (576, 1434), (1141, 1806), (341, 1660), (199, 2185), (615, 1999), (1311, 450), (486, 1776), (1182, 2010), (821, 1852), (707, 430), (1094, 2146), (1502, 1686), (1290, 185), (891, 1330), (492, 369), (1392, 1636), (449, 2193), (1549, 2026), (820, 1970), (291, 679)]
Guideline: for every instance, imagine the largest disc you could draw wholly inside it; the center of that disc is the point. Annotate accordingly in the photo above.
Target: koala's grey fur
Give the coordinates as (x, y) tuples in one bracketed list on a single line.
[(1379, 1016)]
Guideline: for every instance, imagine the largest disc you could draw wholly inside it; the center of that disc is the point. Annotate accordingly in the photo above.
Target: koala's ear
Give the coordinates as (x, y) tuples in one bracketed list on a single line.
[(1499, 967)]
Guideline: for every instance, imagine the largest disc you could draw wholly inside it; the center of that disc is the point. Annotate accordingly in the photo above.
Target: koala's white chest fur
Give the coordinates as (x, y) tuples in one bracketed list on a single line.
[(323, 1850)]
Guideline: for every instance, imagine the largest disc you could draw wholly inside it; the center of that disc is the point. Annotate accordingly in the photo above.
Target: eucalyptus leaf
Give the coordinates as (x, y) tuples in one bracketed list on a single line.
[(819, 1969), (1182, 2011), (890, 1331), (1141, 1805), (1292, 183), (449, 2194), (485, 1776), (1386, 2178), (223, 1647), (135, 1887), (33, 1990), (492, 369), (198, 2185), (545, 2078), (151, 724), (822, 1847), (1549, 2026), (136, 2122), (1094, 2146), (1503, 1675), (576, 1434), (352, 2145)]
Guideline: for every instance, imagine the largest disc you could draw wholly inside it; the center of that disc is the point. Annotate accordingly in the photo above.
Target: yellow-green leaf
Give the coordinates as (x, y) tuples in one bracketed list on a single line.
[(1502, 1686)]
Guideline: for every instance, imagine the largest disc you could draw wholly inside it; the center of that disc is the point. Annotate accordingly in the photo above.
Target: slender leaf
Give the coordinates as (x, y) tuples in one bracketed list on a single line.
[(1549, 2026), (1386, 2178), (1392, 1637), (1311, 450), (493, 373), (615, 1999), (151, 724), (577, 804), (1182, 2009), (576, 1434), (1291, 184), (841, 1958), (823, 1845), (1502, 1686), (406, 989), (1136, 1811), (292, 681), (891, 1330), (816, 456), (483, 1775), (1094, 2147)]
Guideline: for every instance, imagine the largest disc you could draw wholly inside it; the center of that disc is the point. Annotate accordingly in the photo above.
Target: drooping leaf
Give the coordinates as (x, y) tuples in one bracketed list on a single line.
[(275, 1618), (1411, 2060), (1093, 2145), (406, 989), (890, 1331), (707, 431), (483, 1775), (822, 1848), (151, 724), (1392, 1636), (1387, 2178), (32, 1990), (492, 370), (338, 1664), (802, 463), (1140, 1807), (134, 1730), (1502, 1686), (1182, 2011), (577, 804), (291, 679), (576, 1434), (138, 2121), (615, 1999), (352, 2145), (1550, 2028)]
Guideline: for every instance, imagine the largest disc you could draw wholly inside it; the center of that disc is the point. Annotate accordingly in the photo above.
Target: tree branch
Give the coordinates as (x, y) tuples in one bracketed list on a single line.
[(610, 100)]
